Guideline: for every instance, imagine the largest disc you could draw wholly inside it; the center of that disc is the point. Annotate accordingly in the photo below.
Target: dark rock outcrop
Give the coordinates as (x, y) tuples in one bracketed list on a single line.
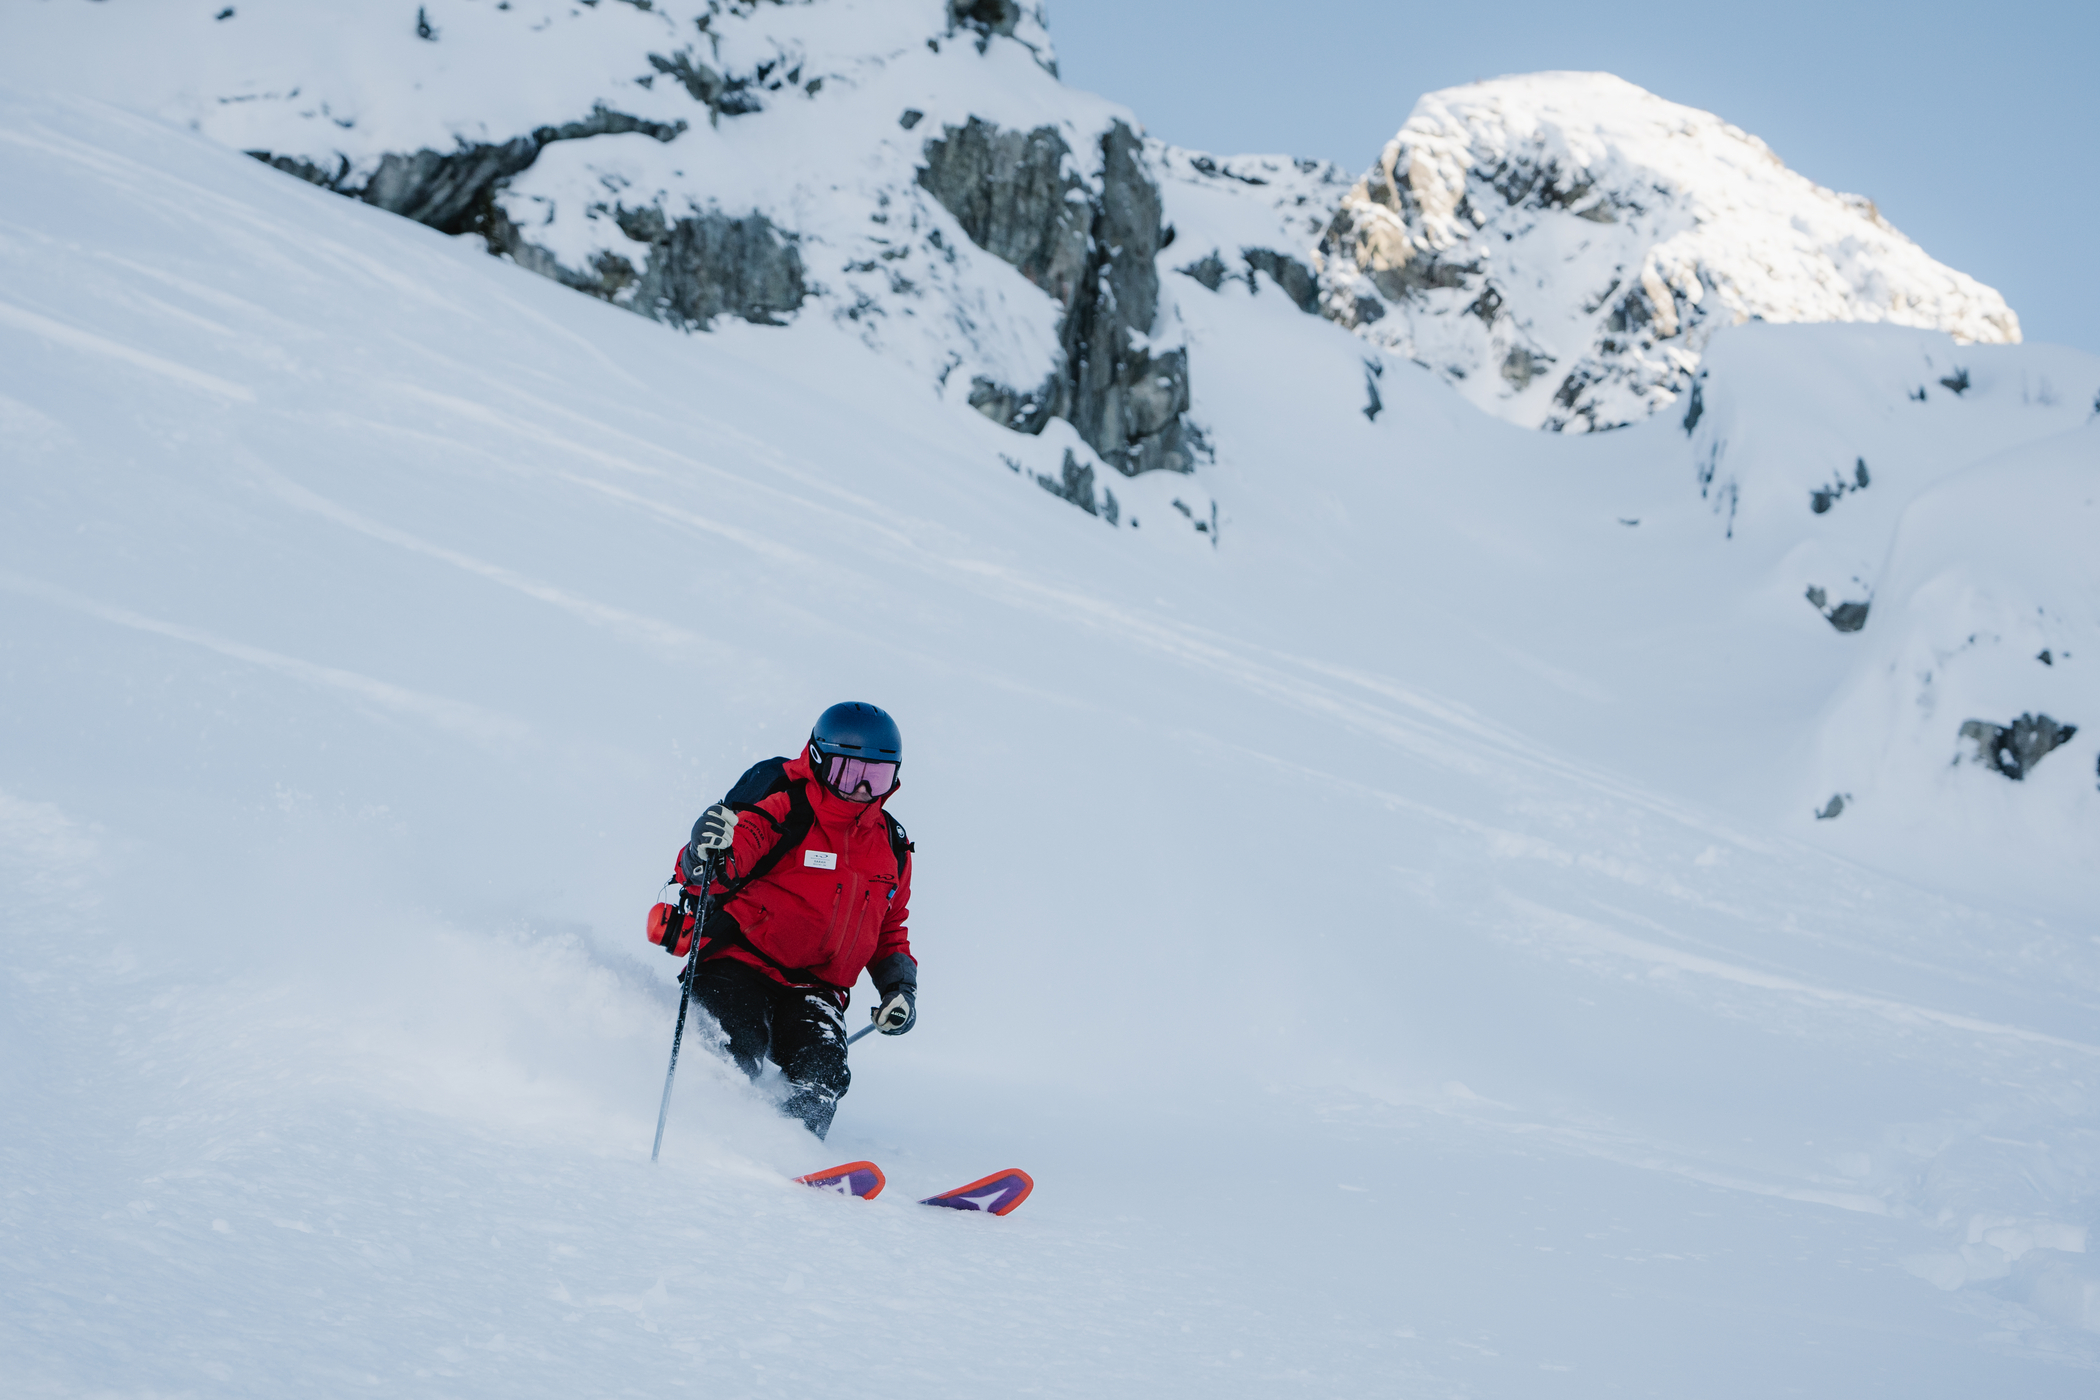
[(1208, 270), (986, 16), (704, 265), (709, 265), (722, 95), (1012, 194), (2013, 749), (452, 190), (1845, 617), (1298, 281), (696, 268), (1822, 498), (1093, 251), (1849, 617), (1076, 484), (1000, 19)]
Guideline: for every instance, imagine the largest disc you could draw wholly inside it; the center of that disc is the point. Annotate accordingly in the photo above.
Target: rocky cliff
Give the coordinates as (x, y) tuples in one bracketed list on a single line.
[(1092, 247)]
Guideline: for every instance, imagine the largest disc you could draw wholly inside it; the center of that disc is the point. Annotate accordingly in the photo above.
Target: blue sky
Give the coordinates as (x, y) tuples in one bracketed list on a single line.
[(1971, 126)]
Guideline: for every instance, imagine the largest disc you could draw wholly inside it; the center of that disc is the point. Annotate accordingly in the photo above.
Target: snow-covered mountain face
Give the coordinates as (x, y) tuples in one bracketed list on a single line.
[(1642, 882), (1562, 246)]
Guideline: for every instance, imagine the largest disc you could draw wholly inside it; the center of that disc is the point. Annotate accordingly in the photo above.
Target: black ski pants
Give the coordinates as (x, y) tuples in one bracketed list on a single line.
[(798, 1028)]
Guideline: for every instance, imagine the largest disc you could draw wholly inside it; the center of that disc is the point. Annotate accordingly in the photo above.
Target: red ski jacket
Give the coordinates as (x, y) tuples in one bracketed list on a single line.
[(829, 907)]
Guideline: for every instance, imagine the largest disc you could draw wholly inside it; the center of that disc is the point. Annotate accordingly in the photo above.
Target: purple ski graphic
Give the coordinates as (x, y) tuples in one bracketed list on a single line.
[(998, 1193), (862, 1179)]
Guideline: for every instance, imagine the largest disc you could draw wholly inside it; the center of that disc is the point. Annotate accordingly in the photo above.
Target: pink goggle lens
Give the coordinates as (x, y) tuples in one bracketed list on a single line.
[(847, 774)]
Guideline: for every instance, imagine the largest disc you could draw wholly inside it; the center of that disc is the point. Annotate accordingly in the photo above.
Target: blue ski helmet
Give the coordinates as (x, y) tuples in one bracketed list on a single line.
[(853, 747)]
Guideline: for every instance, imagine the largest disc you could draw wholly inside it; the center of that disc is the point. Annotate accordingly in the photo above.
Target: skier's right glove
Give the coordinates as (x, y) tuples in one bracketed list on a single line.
[(714, 832), (899, 1011)]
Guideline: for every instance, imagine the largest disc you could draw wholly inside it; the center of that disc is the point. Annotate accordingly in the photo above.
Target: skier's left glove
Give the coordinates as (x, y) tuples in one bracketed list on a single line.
[(899, 1011)]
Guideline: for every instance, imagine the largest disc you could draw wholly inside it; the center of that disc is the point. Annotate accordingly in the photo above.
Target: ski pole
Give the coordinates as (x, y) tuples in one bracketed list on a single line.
[(685, 997), (864, 1030)]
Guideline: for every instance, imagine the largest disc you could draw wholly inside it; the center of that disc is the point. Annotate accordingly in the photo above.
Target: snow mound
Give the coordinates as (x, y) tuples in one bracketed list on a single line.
[(1561, 247), (1975, 693)]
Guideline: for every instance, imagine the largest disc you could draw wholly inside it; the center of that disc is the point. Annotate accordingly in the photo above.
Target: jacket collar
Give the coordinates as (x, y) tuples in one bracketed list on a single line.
[(833, 809)]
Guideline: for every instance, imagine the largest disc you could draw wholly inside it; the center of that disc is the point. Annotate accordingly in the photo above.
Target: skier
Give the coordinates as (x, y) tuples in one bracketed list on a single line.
[(813, 884)]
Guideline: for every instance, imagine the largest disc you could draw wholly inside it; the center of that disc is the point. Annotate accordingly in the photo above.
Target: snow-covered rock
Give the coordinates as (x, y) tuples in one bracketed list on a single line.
[(1561, 246), (695, 159)]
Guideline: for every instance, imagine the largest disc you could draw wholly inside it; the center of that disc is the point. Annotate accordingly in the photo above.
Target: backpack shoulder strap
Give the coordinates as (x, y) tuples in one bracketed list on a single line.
[(789, 836), (901, 846)]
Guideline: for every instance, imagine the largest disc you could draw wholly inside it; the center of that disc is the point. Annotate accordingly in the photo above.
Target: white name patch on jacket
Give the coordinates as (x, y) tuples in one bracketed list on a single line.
[(822, 860)]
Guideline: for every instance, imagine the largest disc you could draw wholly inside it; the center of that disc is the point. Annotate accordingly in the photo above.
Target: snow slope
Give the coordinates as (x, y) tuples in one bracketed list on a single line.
[(1562, 246), (1423, 974)]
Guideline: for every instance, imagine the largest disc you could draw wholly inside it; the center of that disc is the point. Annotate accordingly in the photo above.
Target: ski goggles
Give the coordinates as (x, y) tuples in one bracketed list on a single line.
[(844, 775)]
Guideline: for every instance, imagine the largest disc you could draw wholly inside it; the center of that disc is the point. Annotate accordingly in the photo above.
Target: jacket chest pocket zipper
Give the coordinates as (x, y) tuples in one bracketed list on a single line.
[(846, 916)]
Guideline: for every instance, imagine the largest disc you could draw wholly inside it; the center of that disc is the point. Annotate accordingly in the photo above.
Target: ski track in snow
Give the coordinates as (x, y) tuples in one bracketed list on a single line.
[(481, 727)]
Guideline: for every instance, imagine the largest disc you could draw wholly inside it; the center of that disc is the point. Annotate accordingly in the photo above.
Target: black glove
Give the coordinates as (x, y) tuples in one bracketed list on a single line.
[(899, 1010), (713, 833)]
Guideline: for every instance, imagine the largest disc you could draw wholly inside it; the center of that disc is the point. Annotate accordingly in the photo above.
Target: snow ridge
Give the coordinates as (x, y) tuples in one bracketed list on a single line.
[(1561, 247)]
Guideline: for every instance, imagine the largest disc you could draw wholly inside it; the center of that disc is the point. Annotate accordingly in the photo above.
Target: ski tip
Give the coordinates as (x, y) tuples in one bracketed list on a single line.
[(862, 1179), (998, 1193)]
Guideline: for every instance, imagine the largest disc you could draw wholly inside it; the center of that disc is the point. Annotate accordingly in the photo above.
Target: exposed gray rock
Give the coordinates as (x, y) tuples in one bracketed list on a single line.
[(988, 16), (451, 190), (695, 268), (1523, 364), (1834, 808), (711, 265), (1077, 486), (1849, 617), (1845, 617), (1025, 412), (730, 96), (2013, 749), (692, 270), (1018, 197), (1013, 194), (1004, 19), (1298, 281), (1208, 269), (1823, 497)]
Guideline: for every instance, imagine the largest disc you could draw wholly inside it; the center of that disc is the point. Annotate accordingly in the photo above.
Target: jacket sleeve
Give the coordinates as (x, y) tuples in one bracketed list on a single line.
[(893, 964), (757, 828)]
